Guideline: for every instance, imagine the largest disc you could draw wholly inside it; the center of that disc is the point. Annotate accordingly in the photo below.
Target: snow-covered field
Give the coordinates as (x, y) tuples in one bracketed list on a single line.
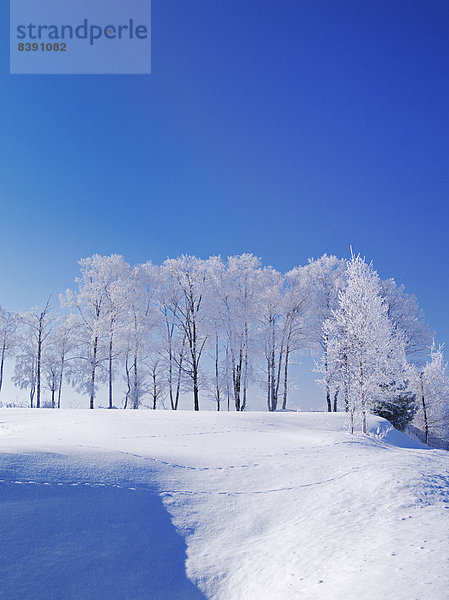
[(161, 505)]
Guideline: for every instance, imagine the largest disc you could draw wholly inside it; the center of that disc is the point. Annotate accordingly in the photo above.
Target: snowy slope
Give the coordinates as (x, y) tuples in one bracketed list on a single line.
[(225, 506)]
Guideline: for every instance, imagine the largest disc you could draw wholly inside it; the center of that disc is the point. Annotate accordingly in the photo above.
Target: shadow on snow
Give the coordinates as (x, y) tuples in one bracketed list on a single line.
[(77, 542)]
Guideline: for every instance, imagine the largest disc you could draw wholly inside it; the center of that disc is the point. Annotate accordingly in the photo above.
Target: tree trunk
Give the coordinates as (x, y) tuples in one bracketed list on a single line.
[(217, 372), (245, 367), (268, 384), (196, 403), (363, 399), (194, 355), (128, 383), (424, 409), (136, 398), (111, 405), (335, 401), (61, 375), (178, 383), (326, 370), (92, 377), (284, 400), (351, 420), (2, 362), (273, 369), (38, 369), (228, 391), (170, 362), (278, 376), (154, 389), (237, 380)]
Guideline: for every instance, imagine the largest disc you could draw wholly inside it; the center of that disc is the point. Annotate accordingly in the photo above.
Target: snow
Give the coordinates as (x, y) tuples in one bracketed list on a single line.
[(223, 506)]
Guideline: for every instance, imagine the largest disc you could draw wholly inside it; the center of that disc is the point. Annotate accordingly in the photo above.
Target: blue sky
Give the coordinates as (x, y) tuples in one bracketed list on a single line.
[(287, 129)]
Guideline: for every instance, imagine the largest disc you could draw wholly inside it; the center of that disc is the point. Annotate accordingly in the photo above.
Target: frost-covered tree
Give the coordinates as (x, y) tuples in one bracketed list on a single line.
[(94, 304), (115, 291), (295, 332), (36, 326), (25, 367), (157, 382), (364, 352), (189, 276), (407, 317), (51, 372), (326, 278), (234, 307), (59, 356), (169, 298), (141, 336), (272, 332), (432, 391), (8, 338)]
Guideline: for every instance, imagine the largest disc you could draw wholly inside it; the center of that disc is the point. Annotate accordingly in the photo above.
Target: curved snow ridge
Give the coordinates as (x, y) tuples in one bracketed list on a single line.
[(193, 433), (265, 491), (72, 484), (175, 465), (167, 492)]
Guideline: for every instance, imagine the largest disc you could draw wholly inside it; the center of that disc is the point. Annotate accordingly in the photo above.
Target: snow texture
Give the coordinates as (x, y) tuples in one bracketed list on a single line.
[(223, 506)]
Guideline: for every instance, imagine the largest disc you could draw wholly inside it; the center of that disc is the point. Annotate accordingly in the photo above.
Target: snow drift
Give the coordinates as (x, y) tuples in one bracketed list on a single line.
[(223, 506)]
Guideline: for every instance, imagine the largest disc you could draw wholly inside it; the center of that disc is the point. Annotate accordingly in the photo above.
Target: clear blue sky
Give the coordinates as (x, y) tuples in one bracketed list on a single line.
[(287, 129)]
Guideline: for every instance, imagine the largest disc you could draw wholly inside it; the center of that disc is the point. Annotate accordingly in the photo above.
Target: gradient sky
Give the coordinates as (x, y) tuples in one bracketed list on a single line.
[(286, 129)]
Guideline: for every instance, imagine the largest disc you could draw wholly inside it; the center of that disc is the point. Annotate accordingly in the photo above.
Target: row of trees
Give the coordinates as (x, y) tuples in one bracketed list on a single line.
[(217, 328)]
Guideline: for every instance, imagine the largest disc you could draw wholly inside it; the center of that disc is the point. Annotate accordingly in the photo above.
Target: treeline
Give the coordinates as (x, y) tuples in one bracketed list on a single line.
[(217, 327)]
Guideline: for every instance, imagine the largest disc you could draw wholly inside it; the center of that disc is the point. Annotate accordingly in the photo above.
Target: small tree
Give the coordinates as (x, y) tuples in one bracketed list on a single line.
[(399, 409)]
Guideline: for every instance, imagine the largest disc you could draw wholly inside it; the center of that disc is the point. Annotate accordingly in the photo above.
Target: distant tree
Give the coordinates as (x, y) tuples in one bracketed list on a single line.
[(169, 298), (272, 332), (189, 276), (58, 356), (407, 317), (295, 333), (432, 390), (326, 278), (141, 337), (157, 382), (8, 338), (234, 307), (51, 371), (95, 305), (36, 330), (25, 367), (116, 287)]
